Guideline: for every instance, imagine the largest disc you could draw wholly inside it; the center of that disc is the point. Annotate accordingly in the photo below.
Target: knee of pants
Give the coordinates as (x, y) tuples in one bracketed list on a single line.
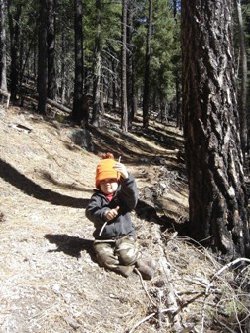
[(127, 250), (107, 260), (105, 256)]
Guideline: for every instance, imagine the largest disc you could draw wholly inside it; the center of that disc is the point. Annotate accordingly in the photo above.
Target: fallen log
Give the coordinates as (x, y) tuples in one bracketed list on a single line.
[(55, 104), (58, 106)]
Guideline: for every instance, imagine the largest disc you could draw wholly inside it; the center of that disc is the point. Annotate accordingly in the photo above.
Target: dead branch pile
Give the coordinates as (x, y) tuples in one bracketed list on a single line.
[(192, 292)]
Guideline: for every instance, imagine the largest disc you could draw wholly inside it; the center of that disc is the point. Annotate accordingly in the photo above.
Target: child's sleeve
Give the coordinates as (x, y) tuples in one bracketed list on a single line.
[(129, 192), (95, 212)]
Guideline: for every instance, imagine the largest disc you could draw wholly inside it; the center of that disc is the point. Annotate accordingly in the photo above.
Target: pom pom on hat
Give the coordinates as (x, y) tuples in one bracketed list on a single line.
[(105, 169)]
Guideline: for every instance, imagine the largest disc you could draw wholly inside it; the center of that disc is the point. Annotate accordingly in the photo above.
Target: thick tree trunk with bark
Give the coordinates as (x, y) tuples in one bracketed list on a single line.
[(97, 91), (77, 114), (42, 80), (218, 201), (130, 67), (62, 71), (124, 105), (243, 82), (3, 70), (14, 13), (147, 81), (51, 50)]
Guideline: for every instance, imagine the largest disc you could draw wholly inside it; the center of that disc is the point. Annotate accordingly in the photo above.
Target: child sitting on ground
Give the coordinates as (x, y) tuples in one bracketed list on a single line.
[(116, 195)]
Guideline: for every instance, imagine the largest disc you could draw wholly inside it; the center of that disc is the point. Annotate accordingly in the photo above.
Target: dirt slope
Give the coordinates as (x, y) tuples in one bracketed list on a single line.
[(50, 281)]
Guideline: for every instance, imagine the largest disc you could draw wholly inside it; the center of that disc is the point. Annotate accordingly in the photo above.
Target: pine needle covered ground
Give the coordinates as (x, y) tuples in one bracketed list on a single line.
[(50, 281)]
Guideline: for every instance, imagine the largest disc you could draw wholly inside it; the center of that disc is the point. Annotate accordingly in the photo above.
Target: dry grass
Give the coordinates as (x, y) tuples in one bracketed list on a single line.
[(50, 281)]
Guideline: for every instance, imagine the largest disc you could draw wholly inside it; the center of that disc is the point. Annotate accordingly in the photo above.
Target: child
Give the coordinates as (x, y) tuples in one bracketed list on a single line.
[(116, 195)]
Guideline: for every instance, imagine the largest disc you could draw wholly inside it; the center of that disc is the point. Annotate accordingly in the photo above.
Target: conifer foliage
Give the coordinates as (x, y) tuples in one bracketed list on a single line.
[(67, 50)]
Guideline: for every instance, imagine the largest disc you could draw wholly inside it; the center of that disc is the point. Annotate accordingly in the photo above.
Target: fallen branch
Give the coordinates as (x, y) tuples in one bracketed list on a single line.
[(171, 295), (172, 310), (225, 326), (143, 285), (141, 322), (55, 104), (219, 272), (229, 265), (58, 106)]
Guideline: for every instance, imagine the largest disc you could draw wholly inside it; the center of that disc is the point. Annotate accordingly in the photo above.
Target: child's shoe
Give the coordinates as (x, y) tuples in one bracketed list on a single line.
[(146, 269)]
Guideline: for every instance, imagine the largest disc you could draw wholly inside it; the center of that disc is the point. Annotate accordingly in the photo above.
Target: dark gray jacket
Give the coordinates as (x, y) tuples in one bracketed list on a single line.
[(126, 197)]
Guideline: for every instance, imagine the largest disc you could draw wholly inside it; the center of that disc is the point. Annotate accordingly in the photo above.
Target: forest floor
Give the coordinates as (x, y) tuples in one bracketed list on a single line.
[(49, 278)]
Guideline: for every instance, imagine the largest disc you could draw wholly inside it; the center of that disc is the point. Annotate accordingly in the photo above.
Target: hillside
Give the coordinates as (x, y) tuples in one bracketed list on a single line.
[(50, 281)]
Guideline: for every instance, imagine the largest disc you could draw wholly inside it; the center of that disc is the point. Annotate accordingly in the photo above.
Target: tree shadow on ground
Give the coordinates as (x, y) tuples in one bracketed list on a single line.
[(124, 146), (107, 141), (72, 245), (161, 136), (20, 181), (166, 140), (49, 178)]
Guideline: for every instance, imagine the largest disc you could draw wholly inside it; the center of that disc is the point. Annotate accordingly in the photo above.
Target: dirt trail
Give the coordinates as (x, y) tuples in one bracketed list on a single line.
[(49, 279)]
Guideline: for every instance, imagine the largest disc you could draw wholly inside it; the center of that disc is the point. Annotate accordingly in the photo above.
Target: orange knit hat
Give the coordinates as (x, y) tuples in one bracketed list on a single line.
[(105, 169)]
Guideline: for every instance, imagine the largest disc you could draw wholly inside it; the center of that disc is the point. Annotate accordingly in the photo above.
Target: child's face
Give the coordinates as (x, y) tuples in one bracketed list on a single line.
[(109, 185)]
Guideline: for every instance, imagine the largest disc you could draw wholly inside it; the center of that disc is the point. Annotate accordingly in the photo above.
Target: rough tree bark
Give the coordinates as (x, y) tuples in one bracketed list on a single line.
[(62, 71), (97, 91), (243, 82), (124, 106), (14, 13), (77, 114), (114, 84), (218, 201), (3, 70), (130, 65), (42, 79), (51, 50), (146, 92)]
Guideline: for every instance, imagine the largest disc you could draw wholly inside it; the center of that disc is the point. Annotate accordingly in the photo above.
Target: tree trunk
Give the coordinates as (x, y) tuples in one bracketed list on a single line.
[(147, 90), (130, 74), (42, 80), (97, 91), (175, 9), (114, 83), (178, 102), (217, 199), (124, 106), (14, 28), (77, 114), (243, 82), (51, 50), (3, 70), (24, 64), (35, 62), (62, 72)]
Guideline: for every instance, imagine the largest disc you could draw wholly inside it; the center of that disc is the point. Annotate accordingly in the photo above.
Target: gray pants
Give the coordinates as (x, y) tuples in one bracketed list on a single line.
[(117, 255)]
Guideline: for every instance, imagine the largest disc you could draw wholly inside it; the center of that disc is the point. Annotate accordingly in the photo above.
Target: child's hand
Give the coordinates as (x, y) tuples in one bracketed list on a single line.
[(112, 213), (119, 167)]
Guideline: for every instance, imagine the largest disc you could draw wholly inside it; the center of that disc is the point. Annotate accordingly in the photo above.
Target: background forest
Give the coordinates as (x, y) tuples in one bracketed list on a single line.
[(77, 46), (79, 52)]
